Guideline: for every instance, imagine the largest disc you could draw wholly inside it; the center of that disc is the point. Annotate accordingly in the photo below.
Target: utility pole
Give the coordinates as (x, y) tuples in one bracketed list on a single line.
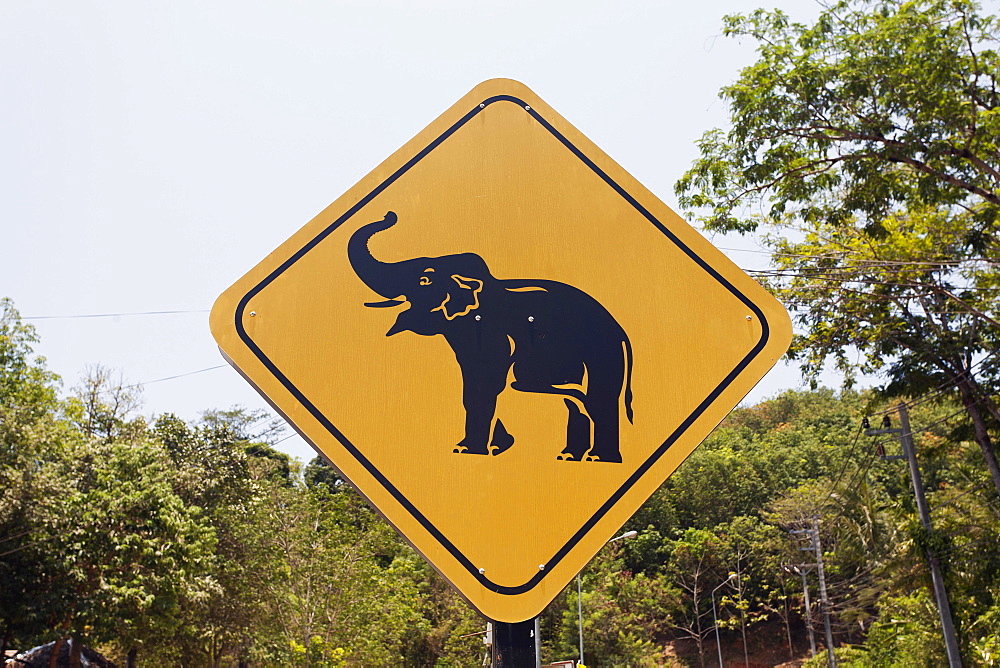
[(809, 621), (817, 549), (802, 569), (937, 578), (823, 601)]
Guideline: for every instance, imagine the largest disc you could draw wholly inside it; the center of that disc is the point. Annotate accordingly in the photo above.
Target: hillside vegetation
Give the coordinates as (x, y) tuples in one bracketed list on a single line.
[(167, 543)]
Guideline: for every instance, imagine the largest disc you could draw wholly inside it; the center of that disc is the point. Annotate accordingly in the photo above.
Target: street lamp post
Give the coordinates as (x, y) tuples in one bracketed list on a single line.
[(579, 596), (715, 619)]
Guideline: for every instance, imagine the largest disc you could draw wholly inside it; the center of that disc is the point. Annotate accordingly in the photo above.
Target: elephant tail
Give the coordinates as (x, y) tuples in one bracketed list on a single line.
[(628, 381)]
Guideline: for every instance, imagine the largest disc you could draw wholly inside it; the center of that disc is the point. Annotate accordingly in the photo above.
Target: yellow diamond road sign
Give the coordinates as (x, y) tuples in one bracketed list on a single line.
[(504, 342)]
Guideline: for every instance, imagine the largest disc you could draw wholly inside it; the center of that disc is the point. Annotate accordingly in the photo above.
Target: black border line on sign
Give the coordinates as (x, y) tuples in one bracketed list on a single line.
[(396, 494)]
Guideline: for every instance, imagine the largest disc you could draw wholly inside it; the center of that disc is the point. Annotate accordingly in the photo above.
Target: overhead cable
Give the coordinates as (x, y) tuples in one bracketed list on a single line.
[(108, 315)]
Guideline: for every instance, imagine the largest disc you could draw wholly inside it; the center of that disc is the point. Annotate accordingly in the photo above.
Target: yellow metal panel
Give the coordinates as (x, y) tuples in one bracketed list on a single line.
[(503, 176)]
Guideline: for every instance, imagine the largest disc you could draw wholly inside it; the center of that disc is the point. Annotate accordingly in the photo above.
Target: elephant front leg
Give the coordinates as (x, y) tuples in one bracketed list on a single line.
[(479, 396), (480, 407)]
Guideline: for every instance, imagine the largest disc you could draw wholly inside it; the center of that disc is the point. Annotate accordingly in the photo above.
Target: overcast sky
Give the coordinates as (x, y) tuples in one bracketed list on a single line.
[(154, 152)]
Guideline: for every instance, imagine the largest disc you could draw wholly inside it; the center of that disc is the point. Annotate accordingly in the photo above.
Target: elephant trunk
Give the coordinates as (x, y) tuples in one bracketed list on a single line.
[(382, 277)]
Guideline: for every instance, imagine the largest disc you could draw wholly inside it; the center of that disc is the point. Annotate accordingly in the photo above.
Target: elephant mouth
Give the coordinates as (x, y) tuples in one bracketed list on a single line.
[(385, 304)]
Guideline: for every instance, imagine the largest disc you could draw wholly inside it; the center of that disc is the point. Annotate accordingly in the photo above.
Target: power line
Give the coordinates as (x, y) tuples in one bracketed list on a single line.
[(929, 292), (837, 275), (847, 461), (180, 375), (868, 261), (942, 389), (944, 419), (955, 498), (108, 315), (859, 471), (964, 546), (292, 435)]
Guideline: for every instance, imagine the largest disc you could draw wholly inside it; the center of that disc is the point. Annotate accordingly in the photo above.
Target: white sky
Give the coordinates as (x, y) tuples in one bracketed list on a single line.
[(152, 153)]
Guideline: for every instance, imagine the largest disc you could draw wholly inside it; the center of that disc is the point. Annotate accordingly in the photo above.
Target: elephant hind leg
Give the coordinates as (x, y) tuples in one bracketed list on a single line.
[(606, 444), (501, 440), (577, 433)]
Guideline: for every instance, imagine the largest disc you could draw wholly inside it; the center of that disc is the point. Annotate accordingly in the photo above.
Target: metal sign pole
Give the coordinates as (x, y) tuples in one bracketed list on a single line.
[(515, 645)]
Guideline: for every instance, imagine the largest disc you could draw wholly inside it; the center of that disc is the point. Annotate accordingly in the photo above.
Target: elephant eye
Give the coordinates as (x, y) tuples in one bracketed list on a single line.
[(425, 280)]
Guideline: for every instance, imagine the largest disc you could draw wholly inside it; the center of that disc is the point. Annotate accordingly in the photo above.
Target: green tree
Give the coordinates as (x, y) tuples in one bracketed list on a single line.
[(695, 568), (346, 584), (626, 615), (319, 472), (218, 473), (251, 426), (871, 139), (437, 638), (27, 387), (130, 549), (102, 403), (31, 434), (750, 549), (879, 105), (760, 452), (918, 304), (906, 633)]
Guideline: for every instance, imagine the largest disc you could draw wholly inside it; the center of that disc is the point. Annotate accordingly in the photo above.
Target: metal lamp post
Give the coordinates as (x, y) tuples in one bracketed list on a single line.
[(715, 619), (579, 596)]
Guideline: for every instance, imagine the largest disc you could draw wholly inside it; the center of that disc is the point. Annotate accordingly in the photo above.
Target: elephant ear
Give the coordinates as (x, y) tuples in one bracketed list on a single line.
[(462, 300)]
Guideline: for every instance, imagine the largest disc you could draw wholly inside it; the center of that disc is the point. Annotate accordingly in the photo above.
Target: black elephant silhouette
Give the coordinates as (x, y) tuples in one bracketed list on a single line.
[(558, 339)]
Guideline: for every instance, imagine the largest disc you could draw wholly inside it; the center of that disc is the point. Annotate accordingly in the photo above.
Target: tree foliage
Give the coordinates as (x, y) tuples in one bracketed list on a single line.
[(165, 542), (30, 433), (867, 143), (916, 305), (195, 544), (879, 105)]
